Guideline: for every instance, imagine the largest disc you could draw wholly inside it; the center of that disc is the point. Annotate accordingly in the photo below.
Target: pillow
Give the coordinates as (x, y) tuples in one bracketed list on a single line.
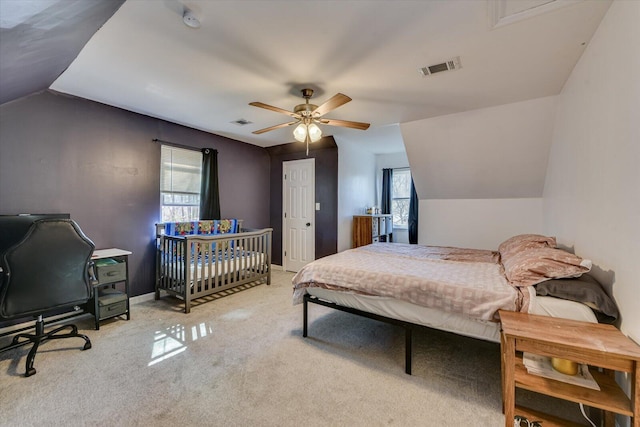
[(521, 242), (206, 227), (179, 228), (535, 265), (584, 289), (223, 226)]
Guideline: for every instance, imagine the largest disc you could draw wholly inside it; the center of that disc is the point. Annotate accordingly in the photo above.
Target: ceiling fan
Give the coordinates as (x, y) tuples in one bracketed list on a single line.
[(308, 116)]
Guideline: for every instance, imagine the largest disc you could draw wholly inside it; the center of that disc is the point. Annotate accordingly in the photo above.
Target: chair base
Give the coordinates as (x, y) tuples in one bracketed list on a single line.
[(39, 337)]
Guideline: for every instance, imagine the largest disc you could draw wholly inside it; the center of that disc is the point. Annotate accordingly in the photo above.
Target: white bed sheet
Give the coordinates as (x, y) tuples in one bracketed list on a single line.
[(239, 263), (451, 322)]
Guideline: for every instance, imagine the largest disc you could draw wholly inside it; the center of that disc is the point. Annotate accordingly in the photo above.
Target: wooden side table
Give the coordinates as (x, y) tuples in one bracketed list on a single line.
[(597, 345)]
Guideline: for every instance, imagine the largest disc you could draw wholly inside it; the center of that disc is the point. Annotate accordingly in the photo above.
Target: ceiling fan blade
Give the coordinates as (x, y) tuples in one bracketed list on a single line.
[(282, 125), (345, 123), (334, 102), (276, 109)]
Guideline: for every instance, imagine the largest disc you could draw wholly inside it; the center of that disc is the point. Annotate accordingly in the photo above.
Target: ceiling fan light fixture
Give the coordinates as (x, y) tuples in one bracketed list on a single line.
[(300, 132), (315, 133), (307, 115)]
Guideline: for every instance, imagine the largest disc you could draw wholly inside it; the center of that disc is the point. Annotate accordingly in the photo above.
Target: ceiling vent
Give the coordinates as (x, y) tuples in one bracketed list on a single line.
[(241, 122), (450, 65)]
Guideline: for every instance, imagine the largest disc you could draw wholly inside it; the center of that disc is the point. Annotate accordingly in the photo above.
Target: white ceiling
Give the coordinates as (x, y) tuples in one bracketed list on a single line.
[(145, 59)]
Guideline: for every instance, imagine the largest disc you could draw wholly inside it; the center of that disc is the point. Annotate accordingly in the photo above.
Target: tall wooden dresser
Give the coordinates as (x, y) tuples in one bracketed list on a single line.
[(369, 229)]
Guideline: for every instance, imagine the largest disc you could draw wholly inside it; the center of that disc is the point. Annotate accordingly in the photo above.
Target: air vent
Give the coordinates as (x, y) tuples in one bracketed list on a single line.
[(241, 122), (450, 65)]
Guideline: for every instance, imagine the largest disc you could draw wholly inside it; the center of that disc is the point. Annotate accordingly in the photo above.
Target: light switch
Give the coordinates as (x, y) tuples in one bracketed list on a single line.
[(317, 206)]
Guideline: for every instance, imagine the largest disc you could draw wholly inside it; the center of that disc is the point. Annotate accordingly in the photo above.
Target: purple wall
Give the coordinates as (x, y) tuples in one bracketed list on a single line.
[(99, 163)]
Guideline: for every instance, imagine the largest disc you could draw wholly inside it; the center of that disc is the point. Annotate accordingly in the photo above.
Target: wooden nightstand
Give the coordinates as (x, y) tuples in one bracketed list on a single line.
[(595, 344)]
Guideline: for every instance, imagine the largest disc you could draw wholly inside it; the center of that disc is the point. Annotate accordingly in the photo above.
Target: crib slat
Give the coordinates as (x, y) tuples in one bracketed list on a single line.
[(237, 260), (210, 264), (216, 261)]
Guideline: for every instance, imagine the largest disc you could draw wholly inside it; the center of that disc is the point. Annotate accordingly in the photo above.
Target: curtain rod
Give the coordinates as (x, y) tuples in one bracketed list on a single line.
[(186, 147), (173, 144)]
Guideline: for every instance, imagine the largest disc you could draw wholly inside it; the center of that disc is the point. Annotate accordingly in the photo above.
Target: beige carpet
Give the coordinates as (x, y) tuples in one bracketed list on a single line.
[(240, 360)]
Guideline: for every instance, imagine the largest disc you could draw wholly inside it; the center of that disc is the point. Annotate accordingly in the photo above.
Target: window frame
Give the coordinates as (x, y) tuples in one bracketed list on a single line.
[(397, 225)]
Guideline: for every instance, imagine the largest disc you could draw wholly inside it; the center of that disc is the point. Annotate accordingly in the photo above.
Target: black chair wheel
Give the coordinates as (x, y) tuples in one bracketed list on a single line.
[(87, 346), (30, 372)]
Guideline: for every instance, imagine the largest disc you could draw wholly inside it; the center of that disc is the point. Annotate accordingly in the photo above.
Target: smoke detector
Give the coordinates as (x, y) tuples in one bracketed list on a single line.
[(190, 19), (450, 65)]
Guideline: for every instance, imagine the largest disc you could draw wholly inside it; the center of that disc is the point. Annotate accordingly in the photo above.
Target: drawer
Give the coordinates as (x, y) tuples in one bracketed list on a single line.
[(109, 271), (114, 309), (111, 303)]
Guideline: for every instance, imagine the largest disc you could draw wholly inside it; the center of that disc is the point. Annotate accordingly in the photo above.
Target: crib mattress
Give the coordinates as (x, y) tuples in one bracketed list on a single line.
[(204, 270)]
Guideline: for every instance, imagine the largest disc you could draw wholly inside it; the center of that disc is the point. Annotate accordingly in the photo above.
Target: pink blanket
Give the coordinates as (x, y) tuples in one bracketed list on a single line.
[(462, 281)]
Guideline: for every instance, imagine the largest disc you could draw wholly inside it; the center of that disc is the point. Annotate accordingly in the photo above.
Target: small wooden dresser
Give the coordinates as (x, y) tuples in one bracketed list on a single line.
[(369, 229)]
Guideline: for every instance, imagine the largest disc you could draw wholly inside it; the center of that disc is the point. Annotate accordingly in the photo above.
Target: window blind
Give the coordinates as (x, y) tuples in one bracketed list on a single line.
[(180, 171)]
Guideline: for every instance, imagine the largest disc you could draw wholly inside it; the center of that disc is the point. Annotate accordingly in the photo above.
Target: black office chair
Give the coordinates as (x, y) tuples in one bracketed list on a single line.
[(48, 270)]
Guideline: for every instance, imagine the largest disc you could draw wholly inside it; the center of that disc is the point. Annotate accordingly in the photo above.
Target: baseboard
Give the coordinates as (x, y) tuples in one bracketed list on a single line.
[(142, 298)]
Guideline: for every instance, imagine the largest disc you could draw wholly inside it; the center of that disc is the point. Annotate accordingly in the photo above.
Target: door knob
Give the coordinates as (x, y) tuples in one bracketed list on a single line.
[(308, 224)]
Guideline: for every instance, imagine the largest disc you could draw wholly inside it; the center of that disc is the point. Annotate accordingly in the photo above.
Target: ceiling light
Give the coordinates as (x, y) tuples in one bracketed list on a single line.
[(307, 133), (314, 132), (300, 132)]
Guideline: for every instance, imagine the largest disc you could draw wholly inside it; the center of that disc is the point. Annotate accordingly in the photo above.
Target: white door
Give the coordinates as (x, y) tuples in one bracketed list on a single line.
[(298, 213)]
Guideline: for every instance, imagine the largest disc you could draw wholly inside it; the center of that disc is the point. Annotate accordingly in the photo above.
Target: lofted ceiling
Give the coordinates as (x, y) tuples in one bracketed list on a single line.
[(40, 38), (145, 59)]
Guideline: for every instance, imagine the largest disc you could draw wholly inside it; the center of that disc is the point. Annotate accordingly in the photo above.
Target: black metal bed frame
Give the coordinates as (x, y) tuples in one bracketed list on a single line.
[(408, 327)]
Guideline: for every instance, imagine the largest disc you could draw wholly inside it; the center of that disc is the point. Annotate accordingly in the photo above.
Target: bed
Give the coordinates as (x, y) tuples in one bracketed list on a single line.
[(200, 258), (453, 289)]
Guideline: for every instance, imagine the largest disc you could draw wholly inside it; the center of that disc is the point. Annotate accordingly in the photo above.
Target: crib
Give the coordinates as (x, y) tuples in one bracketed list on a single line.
[(200, 258)]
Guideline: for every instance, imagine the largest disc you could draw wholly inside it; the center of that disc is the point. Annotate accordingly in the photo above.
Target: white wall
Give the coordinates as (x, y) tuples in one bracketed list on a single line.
[(490, 153), (477, 223), (592, 190), (480, 174), (356, 187)]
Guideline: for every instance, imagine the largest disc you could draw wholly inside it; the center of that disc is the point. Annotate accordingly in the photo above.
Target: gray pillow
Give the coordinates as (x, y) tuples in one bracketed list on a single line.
[(584, 289)]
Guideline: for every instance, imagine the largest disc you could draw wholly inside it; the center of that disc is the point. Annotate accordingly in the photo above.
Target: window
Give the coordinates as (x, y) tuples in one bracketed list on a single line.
[(179, 184), (400, 196)]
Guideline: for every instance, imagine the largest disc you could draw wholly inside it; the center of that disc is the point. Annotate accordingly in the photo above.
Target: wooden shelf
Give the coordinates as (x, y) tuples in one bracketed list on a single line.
[(610, 397), (547, 420)]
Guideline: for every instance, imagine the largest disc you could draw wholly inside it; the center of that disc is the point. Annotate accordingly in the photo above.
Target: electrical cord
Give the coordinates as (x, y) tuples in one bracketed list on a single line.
[(585, 415)]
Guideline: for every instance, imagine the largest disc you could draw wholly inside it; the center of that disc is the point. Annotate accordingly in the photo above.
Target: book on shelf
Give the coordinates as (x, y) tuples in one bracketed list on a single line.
[(541, 366)]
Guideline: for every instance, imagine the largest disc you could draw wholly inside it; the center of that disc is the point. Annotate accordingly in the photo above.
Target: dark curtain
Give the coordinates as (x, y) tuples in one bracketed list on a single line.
[(413, 215), (209, 195), (387, 176)]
